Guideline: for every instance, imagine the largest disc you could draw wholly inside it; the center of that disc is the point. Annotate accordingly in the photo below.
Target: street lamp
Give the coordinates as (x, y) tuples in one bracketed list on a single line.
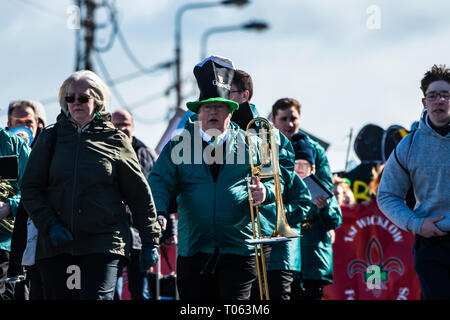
[(178, 16), (197, 5), (179, 111), (252, 25)]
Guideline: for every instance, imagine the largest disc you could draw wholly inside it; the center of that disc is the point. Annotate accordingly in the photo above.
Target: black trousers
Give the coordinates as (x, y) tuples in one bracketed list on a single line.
[(280, 284), (87, 277), (307, 289), (215, 277), (6, 290), (255, 294), (432, 265)]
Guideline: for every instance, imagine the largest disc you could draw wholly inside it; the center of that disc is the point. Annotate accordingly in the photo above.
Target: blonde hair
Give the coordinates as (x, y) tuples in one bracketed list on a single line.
[(377, 172), (99, 89)]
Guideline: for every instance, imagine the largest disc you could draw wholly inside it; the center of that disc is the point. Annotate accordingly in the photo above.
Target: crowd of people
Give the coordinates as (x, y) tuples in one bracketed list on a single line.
[(90, 199)]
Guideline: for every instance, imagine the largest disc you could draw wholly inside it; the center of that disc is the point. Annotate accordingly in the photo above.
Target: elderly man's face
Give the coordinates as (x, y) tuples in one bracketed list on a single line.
[(123, 121), (23, 117), (437, 102), (214, 115)]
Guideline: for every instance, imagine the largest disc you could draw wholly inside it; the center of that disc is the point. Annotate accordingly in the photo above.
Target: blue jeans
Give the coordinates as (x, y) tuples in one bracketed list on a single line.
[(87, 277), (137, 280)]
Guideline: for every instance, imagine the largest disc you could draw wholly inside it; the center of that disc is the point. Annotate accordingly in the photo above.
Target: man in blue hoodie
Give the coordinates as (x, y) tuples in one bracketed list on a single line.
[(421, 159)]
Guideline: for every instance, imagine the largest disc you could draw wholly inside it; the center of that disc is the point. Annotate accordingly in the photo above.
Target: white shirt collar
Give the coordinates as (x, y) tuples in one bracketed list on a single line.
[(207, 138)]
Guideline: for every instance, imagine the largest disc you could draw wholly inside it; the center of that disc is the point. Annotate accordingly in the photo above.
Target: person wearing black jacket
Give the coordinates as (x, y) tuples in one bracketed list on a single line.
[(137, 280)]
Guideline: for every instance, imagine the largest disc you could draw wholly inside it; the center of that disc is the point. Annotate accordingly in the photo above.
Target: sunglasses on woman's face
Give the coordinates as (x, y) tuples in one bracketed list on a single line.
[(80, 99)]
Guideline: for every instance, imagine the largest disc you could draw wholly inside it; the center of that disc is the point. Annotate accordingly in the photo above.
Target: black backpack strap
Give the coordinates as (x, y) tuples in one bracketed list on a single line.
[(395, 152)]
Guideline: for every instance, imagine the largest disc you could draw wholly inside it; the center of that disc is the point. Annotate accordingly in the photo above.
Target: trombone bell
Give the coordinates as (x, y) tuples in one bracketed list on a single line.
[(267, 168)]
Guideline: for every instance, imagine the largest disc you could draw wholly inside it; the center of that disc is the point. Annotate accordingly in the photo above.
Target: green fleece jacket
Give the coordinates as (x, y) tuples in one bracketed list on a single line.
[(211, 214), (12, 145)]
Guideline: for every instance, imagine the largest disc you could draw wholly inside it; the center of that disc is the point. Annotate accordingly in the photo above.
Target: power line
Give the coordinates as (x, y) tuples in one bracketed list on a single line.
[(107, 76), (117, 94)]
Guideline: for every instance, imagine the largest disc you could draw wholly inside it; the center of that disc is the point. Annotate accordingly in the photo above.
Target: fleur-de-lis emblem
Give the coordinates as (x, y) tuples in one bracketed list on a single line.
[(374, 255)]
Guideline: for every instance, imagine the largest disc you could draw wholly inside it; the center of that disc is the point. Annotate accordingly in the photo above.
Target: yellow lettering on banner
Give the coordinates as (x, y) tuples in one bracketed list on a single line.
[(358, 193)]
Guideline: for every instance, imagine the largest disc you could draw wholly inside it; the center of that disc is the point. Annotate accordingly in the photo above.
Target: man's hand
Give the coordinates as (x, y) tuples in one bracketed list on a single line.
[(429, 229), (162, 222), (172, 241), (148, 257), (258, 191), (320, 202), (59, 234), (5, 210)]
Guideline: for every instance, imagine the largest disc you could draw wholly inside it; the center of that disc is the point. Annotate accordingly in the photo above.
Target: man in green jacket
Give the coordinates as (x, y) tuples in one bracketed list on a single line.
[(286, 117), (282, 258), (206, 166), (10, 145)]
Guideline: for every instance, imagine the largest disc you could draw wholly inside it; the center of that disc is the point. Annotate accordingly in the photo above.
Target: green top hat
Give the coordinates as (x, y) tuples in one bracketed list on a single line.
[(214, 76)]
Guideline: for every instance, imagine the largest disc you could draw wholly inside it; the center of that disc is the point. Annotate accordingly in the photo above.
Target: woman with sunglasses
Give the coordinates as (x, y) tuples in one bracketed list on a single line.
[(81, 173)]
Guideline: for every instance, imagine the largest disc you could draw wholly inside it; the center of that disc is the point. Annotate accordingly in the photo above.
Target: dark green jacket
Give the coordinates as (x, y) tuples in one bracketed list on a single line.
[(211, 214), (297, 203), (316, 246), (85, 177), (323, 171), (12, 145)]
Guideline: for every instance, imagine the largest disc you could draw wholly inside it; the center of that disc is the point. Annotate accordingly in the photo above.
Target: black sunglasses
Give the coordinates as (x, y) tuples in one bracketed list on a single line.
[(80, 99)]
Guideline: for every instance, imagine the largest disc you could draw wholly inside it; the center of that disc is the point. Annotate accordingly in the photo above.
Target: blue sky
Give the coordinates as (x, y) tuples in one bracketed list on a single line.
[(326, 54)]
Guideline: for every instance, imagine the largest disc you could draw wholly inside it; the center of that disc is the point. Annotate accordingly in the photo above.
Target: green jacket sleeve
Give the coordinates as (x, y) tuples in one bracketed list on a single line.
[(162, 179), (297, 200), (323, 171), (22, 151), (330, 217), (138, 196)]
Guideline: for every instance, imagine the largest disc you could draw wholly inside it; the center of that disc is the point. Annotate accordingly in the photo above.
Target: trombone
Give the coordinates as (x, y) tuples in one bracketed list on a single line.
[(267, 168), (7, 191)]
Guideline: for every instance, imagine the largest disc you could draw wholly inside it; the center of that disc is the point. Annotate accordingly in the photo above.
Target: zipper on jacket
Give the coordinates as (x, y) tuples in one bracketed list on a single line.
[(75, 175)]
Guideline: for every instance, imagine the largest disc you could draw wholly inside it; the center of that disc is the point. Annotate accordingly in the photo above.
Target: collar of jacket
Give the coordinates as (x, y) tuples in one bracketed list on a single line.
[(100, 122), (425, 127)]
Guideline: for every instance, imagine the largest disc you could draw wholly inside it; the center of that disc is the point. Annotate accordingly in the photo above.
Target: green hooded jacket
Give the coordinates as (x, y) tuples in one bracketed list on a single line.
[(12, 145), (211, 214), (85, 177)]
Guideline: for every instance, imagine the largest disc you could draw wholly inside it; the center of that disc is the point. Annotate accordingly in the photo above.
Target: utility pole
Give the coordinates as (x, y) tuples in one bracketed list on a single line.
[(85, 45)]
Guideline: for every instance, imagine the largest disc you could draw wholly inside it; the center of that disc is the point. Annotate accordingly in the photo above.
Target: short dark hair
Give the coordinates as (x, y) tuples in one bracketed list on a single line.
[(436, 73), (243, 81), (285, 103), (22, 104)]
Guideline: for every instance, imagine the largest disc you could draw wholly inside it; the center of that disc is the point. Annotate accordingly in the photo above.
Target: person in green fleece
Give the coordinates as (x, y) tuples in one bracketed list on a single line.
[(10, 145), (316, 247), (205, 166)]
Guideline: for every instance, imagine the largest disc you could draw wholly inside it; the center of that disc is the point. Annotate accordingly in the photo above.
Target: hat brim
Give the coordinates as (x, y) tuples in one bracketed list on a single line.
[(195, 105)]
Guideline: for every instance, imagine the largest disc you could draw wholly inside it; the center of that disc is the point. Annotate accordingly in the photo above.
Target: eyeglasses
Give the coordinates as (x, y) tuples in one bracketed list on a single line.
[(433, 96), (80, 99), (233, 91), (217, 107)]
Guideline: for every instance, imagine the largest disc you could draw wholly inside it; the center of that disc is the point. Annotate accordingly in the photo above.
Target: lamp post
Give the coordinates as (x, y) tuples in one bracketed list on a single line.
[(252, 25), (178, 16), (178, 85)]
